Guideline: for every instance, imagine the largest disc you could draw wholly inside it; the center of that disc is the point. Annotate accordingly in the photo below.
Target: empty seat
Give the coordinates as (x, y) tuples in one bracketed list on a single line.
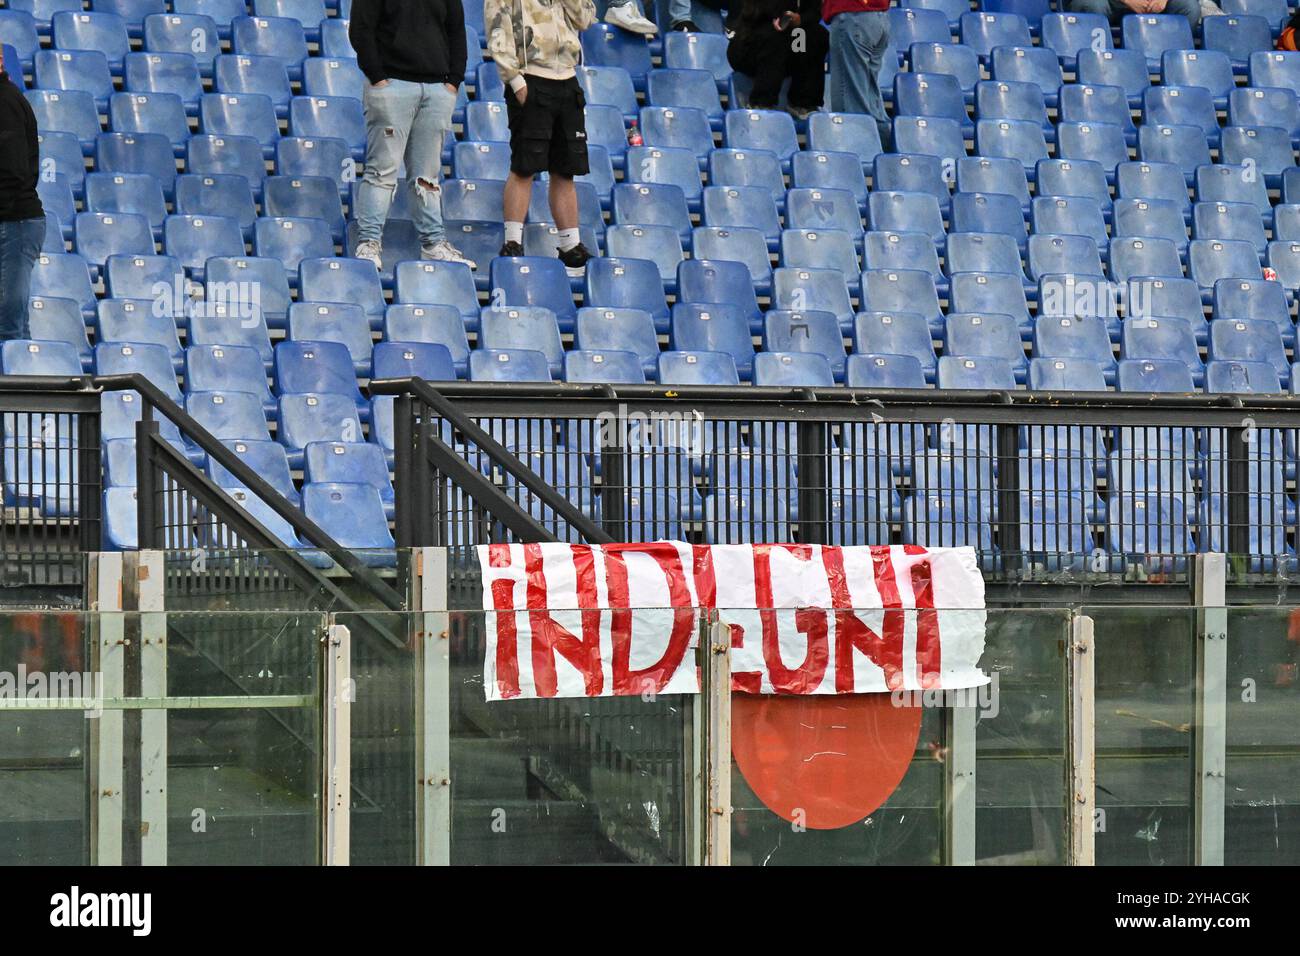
[(633, 284), (1073, 177), (1210, 260), (1066, 374), (983, 252), (340, 322), (450, 283), (600, 329), (1075, 337), (813, 332), (528, 280), (1011, 139), (986, 334), (1238, 37), (1103, 143), (1150, 180), (1256, 106), (316, 367), (1070, 215), (824, 209), (303, 197), (984, 174), (1245, 340), (1230, 220), (508, 365), (1153, 34), (1126, 69), (226, 368), (279, 37), (84, 70), (266, 458), (139, 277), (229, 416), (883, 371), (908, 25), (522, 327), (704, 280), (27, 357), (59, 320), (1159, 297), (210, 154), (902, 250), (1241, 377), (1183, 106), (64, 276), (192, 240), (713, 327), (337, 116), (984, 31), (792, 370), (1029, 64), (822, 248), (933, 136), (988, 213), (605, 45), (1086, 103), (937, 95), (989, 292), (772, 130), (697, 368), (352, 514), (135, 321), (1162, 338), (912, 172), (684, 127), (249, 279), (1131, 257), (1265, 148), (902, 290), (677, 87), (99, 235), (1254, 299), (87, 30), (1058, 255), (1208, 69), (262, 75), (890, 211), (698, 51), (162, 113), (977, 372), (1068, 34), (67, 111), (896, 333), (291, 240), (1151, 219), (148, 153), (342, 280), (427, 360), (747, 167), (332, 76), (225, 323), (844, 132), (801, 289), (653, 204), (1154, 375), (193, 36), (610, 366)]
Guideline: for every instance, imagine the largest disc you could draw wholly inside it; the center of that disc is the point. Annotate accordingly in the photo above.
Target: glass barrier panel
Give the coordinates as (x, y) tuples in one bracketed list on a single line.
[(1145, 671)]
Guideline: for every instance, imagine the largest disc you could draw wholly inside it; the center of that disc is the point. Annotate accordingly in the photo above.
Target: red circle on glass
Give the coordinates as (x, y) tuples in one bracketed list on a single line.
[(836, 758)]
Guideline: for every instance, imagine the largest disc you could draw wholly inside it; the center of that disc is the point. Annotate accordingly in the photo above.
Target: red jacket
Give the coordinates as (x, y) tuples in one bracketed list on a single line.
[(831, 7)]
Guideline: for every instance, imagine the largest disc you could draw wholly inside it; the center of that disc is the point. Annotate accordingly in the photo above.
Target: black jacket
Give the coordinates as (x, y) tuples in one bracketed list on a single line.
[(20, 157), (421, 41)]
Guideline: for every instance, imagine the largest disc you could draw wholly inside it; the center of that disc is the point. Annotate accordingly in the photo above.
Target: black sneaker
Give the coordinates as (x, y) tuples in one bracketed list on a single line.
[(575, 259), (511, 249), (685, 26)]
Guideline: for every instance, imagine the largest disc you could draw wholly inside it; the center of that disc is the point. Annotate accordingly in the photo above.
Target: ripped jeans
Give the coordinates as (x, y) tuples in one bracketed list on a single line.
[(404, 121)]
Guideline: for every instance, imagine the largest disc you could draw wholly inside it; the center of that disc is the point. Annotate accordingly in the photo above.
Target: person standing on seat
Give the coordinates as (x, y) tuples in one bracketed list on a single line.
[(1117, 10), (413, 55), (536, 47), (22, 218), (772, 42), (859, 43)]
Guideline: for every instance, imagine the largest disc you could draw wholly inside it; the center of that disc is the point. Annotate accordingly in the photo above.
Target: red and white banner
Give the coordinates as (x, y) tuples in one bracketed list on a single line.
[(580, 621)]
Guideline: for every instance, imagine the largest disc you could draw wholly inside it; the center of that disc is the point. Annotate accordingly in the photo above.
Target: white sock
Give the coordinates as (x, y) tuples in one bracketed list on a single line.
[(514, 231), (568, 239)]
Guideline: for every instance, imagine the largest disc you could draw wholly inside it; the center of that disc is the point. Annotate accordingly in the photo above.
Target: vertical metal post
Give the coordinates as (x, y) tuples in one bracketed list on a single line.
[(1082, 790), (1008, 486), (432, 707), (153, 720), (813, 513), (1238, 536), (717, 745), (1210, 729), (88, 481), (148, 506), (107, 654), (336, 747), (403, 474), (959, 786), (613, 474)]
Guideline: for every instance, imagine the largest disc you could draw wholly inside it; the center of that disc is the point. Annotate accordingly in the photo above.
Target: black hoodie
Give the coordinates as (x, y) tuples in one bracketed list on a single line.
[(20, 161), (421, 41)]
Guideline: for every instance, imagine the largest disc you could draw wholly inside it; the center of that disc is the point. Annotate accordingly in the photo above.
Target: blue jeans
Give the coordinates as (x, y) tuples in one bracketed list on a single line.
[(859, 42), (404, 121), (20, 244), (1115, 10)]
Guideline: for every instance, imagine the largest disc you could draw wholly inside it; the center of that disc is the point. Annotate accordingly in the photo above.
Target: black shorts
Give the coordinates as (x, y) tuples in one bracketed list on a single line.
[(548, 132)]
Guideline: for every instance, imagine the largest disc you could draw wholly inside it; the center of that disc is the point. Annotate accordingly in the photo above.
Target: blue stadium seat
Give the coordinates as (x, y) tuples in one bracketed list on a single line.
[(59, 320), (222, 12), (990, 213), (1164, 181), (1065, 375), (67, 111), (329, 157), (829, 170), (912, 172), (310, 13), (354, 462), (18, 32), (1238, 37), (883, 371), (986, 174), (427, 360), (429, 283), (1067, 34), (135, 320), (822, 248), (485, 122), (802, 290), (981, 372), (343, 280), (137, 277), (1126, 69), (1155, 375), (704, 280), (229, 416), (1258, 378), (813, 332), (1074, 177), (1230, 220), (28, 357), (984, 292), (236, 155), (908, 25), (983, 252), (683, 127), (1132, 257), (334, 40), (698, 51), (1162, 297), (1245, 340), (161, 113), (601, 329), (305, 197), (604, 128), (792, 370), (332, 76), (143, 357), (267, 458), (953, 59), (339, 322), (697, 368), (1268, 148), (617, 284), (148, 153), (91, 30), (1209, 260), (249, 74), (824, 209), (319, 368), (1284, 258), (984, 31), (905, 212), (192, 240), (512, 365), (241, 114), (474, 161), (64, 276), (1057, 255), (227, 368), (1182, 106), (85, 70), (1102, 143), (99, 235), (744, 167), (844, 132), (605, 366), (224, 194), (230, 323), (1007, 100), (472, 199), (1084, 103), (902, 290), (1028, 64), (665, 166), (1152, 219), (525, 280), (1169, 338), (522, 327), (248, 278), (713, 327), (654, 204), (937, 95), (612, 86), (604, 45), (1205, 68), (903, 250), (1255, 106), (440, 325), (669, 87), (57, 199), (338, 116), (1011, 139), (177, 37), (660, 244), (1153, 34), (125, 194), (1075, 337), (352, 514), (280, 37), (1254, 300), (896, 333), (933, 136), (986, 334), (291, 240)]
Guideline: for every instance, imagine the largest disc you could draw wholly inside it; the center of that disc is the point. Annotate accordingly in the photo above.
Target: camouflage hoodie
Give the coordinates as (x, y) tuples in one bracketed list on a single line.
[(537, 37)]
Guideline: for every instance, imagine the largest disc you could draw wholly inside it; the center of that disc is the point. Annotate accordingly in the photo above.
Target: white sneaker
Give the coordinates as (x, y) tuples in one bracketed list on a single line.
[(444, 251), (370, 250), (626, 17)]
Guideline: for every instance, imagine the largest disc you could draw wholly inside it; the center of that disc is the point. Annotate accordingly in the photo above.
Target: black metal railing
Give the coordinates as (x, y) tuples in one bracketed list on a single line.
[(1046, 486)]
